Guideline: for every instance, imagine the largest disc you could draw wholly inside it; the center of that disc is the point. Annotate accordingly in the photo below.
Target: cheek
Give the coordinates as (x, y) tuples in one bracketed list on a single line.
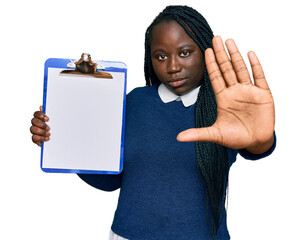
[(197, 69), (159, 70)]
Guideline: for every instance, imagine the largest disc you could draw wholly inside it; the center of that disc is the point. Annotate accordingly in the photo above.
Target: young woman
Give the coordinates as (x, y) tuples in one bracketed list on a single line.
[(171, 187)]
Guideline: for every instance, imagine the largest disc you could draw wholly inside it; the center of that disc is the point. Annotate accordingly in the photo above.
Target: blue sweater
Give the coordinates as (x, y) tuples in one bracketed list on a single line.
[(161, 195)]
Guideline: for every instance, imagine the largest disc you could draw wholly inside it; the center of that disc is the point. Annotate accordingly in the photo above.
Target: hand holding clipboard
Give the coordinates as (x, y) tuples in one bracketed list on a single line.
[(91, 140)]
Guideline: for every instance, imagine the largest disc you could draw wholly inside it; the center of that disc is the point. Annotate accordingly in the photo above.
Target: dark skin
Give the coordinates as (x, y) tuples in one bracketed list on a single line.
[(39, 128), (246, 113), (177, 60)]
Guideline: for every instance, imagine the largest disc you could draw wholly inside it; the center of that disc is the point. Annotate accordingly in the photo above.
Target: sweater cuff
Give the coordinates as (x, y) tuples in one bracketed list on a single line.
[(250, 156)]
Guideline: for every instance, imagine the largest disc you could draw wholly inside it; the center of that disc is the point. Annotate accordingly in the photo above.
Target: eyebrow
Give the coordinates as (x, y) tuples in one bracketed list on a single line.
[(186, 46), (158, 50), (179, 48)]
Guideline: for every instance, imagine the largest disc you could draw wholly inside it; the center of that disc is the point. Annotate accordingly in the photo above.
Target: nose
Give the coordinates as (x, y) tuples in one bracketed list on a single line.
[(173, 65)]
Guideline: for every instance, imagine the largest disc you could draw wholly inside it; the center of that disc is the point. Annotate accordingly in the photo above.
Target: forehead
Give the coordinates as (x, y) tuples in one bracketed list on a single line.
[(169, 33)]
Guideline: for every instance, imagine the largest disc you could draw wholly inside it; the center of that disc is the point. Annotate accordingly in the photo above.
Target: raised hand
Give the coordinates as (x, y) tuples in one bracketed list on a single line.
[(39, 128), (246, 115)]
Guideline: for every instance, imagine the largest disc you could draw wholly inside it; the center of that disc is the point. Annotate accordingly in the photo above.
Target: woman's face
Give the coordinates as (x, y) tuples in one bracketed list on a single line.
[(177, 60)]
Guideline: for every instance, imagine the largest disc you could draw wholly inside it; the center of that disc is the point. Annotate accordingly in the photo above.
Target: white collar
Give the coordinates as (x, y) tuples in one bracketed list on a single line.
[(187, 99)]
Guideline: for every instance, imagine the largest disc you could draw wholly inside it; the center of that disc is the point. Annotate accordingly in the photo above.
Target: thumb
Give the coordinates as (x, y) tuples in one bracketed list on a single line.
[(208, 134)]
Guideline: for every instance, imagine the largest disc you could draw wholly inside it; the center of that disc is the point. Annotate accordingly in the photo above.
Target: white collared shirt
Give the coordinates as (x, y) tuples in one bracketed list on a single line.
[(187, 99)]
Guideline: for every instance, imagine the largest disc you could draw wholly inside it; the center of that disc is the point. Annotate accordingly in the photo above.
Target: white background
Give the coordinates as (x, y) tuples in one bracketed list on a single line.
[(267, 198)]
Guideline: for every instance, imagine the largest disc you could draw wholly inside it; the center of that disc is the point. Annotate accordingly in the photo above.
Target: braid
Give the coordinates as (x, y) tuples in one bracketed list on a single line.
[(212, 159)]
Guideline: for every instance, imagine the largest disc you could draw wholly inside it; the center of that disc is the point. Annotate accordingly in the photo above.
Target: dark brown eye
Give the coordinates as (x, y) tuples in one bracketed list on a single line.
[(162, 57), (184, 53)]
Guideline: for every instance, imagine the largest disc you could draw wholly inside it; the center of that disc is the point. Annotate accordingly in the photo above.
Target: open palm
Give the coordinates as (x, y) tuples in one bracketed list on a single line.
[(246, 113)]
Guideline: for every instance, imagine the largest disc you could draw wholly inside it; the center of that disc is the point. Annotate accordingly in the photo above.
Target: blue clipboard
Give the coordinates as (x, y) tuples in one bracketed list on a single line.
[(87, 119)]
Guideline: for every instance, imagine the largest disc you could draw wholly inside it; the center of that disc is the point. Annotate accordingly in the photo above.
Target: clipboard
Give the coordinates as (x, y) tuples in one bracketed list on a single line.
[(86, 107)]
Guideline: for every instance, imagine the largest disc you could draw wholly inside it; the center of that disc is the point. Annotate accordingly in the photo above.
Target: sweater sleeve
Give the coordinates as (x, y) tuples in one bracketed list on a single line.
[(103, 182), (250, 156)]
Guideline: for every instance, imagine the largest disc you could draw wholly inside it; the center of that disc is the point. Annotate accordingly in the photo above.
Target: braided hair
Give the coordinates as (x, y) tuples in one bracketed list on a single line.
[(212, 159)]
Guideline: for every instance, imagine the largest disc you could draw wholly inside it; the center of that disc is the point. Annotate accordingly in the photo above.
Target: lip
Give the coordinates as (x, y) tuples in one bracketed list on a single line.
[(177, 82)]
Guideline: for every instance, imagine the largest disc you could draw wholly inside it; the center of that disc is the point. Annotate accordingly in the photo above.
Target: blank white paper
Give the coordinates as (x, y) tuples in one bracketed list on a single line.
[(86, 121)]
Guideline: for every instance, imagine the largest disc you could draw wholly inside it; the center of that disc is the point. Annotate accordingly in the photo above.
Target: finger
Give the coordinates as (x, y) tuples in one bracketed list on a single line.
[(41, 115), (41, 108), (238, 63), (39, 139), (209, 134), (216, 78), (39, 123), (39, 132), (224, 62), (258, 73)]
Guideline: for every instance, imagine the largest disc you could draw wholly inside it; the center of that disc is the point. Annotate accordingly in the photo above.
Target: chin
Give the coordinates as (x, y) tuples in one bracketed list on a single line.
[(181, 91)]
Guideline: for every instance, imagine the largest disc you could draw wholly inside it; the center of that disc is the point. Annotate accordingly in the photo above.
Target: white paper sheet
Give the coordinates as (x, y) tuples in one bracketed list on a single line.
[(85, 120)]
